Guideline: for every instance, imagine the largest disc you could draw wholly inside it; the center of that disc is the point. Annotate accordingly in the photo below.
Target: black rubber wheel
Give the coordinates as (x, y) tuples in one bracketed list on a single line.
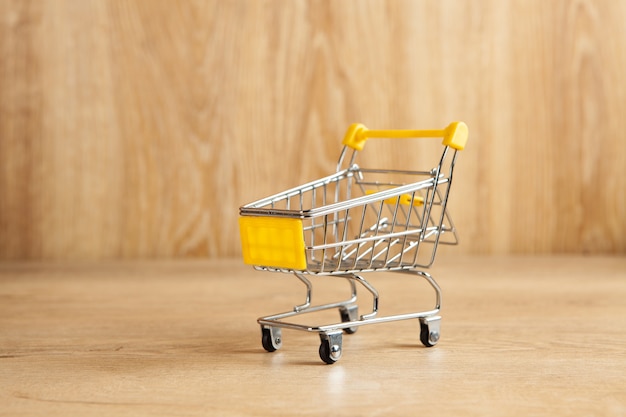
[(325, 353), (345, 317), (425, 335), (266, 340)]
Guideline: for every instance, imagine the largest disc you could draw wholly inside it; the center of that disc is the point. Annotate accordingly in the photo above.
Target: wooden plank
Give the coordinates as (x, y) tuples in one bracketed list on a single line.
[(136, 129), (520, 336)]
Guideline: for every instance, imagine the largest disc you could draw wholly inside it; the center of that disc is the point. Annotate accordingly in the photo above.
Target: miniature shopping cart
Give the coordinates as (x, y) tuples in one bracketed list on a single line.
[(354, 221)]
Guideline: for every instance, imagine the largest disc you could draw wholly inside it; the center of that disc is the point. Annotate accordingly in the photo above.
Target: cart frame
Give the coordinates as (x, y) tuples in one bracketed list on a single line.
[(335, 226)]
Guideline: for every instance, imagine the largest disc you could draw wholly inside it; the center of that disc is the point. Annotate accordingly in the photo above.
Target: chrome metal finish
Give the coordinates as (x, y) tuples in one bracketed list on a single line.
[(276, 336), (334, 341), (428, 317), (374, 293), (309, 290), (361, 220), (434, 328)]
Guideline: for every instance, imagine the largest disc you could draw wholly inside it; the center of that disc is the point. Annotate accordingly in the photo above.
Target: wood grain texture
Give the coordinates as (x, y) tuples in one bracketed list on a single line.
[(520, 336), (133, 129)]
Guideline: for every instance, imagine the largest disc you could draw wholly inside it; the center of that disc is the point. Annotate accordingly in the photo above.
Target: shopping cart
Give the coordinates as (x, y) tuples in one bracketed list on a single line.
[(354, 221)]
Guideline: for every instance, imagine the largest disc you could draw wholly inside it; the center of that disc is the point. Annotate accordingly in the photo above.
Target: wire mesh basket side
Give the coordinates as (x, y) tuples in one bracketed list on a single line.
[(362, 219), (399, 230), (392, 233)]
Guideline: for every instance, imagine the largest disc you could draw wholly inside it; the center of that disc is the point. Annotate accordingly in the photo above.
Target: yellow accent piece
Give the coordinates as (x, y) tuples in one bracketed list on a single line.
[(273, 242), (354, 137), (455, 135), (405, 199)]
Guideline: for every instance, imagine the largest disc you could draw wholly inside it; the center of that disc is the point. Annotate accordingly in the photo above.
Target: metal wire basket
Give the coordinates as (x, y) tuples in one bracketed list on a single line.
[(354, 221)]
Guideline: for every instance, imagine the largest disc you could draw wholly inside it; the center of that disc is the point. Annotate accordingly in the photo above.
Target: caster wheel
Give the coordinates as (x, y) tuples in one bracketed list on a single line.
[(350, 313), (330, 348), (329, 354), (271, 338), (430, 330)]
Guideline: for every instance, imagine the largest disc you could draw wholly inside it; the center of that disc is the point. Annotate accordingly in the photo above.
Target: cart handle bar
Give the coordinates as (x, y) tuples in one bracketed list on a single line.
[(455, 135)]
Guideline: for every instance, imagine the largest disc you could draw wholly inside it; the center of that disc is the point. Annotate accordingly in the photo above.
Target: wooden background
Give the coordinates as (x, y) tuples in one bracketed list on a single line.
[(135, 129)]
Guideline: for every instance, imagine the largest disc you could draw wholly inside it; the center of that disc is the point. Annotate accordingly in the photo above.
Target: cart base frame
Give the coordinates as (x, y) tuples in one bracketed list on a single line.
[(331, 335)]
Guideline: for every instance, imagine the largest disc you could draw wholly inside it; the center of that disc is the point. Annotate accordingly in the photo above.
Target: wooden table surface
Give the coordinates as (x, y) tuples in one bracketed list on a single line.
[(520, 336)]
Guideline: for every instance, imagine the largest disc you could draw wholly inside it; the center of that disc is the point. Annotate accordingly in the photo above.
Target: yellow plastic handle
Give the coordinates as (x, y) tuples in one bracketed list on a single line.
[(454, 136)]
